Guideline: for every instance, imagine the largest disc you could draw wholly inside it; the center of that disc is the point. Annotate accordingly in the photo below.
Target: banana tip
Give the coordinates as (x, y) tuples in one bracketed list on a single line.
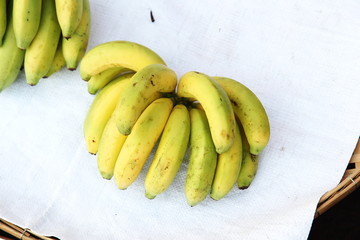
[(243, 187), (72, 68), (149, 196)]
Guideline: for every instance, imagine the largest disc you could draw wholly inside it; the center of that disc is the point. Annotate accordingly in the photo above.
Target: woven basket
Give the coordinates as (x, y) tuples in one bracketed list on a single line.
[(349, 182)]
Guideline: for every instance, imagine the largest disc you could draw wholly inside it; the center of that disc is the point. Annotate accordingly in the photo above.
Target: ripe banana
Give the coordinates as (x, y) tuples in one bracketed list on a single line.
[(40, 54), (202, 159), (228, 168), (101, 109), (250, 111), (117, 54), (100, 80), (217, 106), (11, 57), (27, 14), (249, 164), (74, 48), (58, 62), (140, 142), (170, 152), (110, 145), (146, 86), (3, 20), (69, 13)]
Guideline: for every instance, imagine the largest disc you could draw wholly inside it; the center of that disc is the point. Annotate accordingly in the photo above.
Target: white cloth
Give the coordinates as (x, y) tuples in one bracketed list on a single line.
[(301, 58)]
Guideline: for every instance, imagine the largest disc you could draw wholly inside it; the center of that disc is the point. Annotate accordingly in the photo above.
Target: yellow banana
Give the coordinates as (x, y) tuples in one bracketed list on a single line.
[(100, 111), (140, 142), (249, 164), (250, 111), (227, 168), (146, 86), (69, 13), (100, 80), (117, 54), (170, 152), (110, 145), (74, 48), (202, 159), (11, 58), (3, 20), (58, 62), (27, 14), (217, 106), (40, 54)]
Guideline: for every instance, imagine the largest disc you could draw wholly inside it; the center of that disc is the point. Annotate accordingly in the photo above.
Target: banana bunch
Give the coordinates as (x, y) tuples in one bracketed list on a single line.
[(42, 36), (140, 102)]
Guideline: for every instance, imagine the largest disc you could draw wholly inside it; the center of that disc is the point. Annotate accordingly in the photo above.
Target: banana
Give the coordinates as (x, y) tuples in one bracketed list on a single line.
[(40, 54), (58, 62), (170, 152), (228, 168), (249, 164), (74, 48), (69, 13), (27, 14), (140, 142), (100, 80), (250, 111), (117, 54), (3, 20), (217, 106), (146, 85), (202, 159), (11, 58), (101, 109), (110, 145)]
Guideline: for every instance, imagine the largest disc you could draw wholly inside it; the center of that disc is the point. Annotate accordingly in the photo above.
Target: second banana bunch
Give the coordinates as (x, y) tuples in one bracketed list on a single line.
[(140, 102), (42, 36)]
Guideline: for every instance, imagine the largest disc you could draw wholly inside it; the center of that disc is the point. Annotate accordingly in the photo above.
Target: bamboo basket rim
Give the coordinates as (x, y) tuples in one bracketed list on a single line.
[(349, 182)]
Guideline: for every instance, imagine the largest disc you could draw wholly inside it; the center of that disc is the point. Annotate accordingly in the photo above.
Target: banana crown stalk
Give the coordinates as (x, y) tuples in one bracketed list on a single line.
[(217, 106)]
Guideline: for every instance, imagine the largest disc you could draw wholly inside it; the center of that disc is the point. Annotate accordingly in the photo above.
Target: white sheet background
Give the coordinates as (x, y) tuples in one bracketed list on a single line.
[(302, 59)]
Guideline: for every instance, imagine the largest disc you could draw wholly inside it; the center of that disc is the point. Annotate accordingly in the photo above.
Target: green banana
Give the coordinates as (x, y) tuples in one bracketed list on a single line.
[(170, 152), (3, 20), (58, 62), (40, 54), (11, 58), (69, 13), (100, 80), (117, 54), (200, 87), (146, 85), (249, 164), (27, 14), (250, 111), (228, 168), (202, 159), (140, 142), (110, 145), (101, 109), (74, 48)]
